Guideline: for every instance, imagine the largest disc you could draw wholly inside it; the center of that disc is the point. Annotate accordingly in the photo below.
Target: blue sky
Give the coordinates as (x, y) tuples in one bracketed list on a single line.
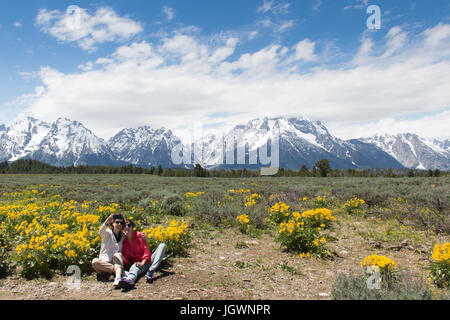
[(168, 63)]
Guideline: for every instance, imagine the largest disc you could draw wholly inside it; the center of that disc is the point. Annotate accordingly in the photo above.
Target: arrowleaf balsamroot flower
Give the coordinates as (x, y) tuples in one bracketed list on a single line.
[(440, 266)]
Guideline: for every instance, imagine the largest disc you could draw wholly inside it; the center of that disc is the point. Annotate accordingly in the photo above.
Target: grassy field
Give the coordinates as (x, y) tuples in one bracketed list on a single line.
[(228, 238)]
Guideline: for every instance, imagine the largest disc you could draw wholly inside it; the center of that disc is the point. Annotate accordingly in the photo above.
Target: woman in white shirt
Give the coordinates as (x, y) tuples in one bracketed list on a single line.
[(110, 260)]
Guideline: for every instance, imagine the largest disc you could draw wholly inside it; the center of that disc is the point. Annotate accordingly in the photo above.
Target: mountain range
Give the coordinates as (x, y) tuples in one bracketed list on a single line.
[(299, 141)]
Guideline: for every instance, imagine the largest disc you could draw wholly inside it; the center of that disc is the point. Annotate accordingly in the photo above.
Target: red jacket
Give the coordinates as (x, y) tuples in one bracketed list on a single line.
[(137, 250)]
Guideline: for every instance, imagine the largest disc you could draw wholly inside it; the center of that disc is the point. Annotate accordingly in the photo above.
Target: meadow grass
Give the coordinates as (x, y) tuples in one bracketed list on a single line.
[(414, 208), (423, 201)]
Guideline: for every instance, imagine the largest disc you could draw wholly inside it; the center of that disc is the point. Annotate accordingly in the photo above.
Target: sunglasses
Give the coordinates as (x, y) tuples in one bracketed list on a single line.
[(129, 225), (119, 222)]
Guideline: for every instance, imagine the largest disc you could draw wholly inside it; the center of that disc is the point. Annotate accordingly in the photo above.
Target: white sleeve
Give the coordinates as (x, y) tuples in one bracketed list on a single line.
[(103, 230)]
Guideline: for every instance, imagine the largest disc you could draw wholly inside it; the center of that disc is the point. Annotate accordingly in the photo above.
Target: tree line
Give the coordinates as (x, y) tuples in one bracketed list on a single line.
[(320, 169)]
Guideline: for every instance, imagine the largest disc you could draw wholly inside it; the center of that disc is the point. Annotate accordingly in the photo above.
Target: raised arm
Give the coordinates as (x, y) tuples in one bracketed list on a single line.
[(104, 226)]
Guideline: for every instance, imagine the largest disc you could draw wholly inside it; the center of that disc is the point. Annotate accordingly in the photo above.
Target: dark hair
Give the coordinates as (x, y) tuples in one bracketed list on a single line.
[(117, 217), (129, 221), (111, 225)]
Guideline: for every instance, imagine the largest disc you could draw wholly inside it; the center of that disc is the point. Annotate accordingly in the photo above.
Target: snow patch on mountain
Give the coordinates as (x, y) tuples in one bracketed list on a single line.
[(414, 151), (300, 142)]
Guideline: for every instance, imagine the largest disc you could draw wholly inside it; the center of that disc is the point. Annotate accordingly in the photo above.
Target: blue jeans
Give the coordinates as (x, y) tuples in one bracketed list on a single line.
[(157, 256)]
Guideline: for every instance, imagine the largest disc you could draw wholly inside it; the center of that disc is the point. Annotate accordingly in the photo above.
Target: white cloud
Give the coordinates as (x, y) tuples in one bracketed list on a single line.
[(136, 52), (396, 39), (185, 48), (222, 53), (17, 24), (266, 6), (438, 36), (28, 75), (168, 12), (304, 50), (277, 27), (317, 5), (181, 79), (88, 66), (258, 64), (253, 35), (265, 22), (358, 4), (428, 126), (364, 51), (274, 7), (87, 30), (285, 25)]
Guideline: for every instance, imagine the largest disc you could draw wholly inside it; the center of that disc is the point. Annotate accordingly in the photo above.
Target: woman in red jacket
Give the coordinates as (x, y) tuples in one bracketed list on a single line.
[(135, 252)]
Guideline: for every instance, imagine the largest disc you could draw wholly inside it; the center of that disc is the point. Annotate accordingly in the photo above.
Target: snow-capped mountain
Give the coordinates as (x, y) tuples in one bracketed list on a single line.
[(301, 141), (144, 146), (62, 143), (442, 145), (69, 142), (413, 151), (22, 138)]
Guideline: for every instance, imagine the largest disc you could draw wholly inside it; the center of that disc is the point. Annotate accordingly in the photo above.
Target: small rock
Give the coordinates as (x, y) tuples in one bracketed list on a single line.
[(222, 258), (324, 294), (375, 244), (344, 252)]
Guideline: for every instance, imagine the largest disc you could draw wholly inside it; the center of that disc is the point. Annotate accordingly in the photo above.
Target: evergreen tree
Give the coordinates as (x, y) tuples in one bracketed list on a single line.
[(323, 166), (389, 173), (303, 171), (199, 171)]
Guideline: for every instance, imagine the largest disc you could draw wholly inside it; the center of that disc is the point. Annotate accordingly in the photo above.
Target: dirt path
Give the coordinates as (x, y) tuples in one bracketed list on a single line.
[(225, 265)]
